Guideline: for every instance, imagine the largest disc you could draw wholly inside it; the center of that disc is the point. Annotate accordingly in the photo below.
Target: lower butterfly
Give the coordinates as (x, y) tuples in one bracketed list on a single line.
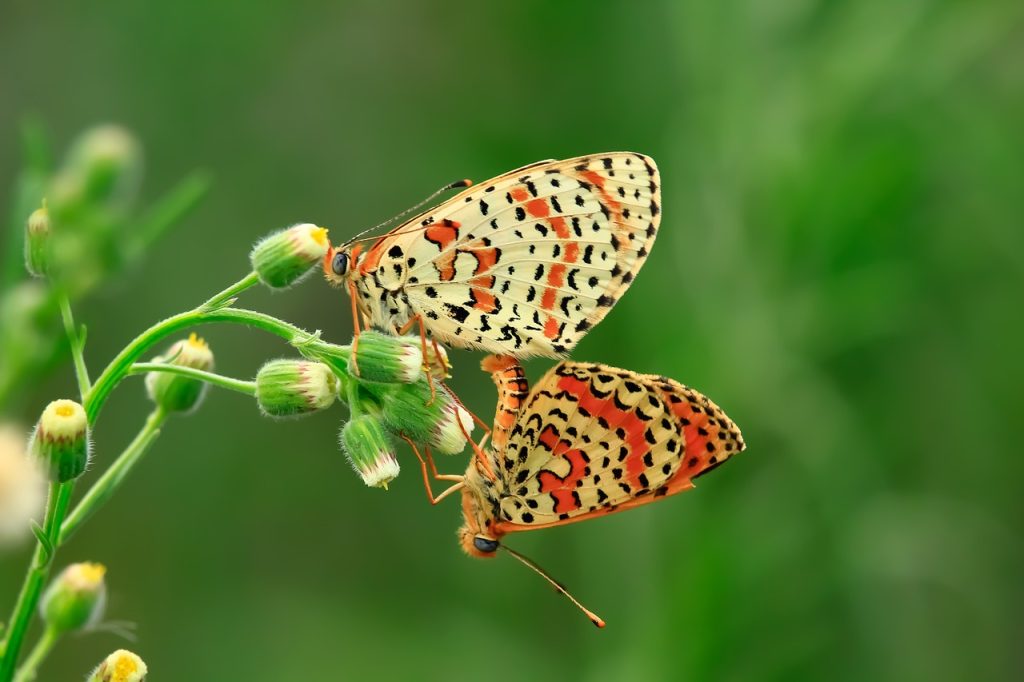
[(587, 441)]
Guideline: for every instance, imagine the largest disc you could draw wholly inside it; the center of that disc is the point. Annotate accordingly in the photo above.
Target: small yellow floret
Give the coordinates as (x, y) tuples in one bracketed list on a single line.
[(319, 235), (63, 419), (197, 342), (91, 572), (124, 667)]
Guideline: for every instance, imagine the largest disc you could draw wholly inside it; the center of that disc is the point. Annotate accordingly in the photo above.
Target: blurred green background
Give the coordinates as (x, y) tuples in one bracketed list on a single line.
[(839, 266)]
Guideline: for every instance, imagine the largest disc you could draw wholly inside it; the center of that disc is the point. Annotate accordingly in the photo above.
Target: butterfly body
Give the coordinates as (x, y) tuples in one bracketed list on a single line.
[(523, 264), (379, 285)]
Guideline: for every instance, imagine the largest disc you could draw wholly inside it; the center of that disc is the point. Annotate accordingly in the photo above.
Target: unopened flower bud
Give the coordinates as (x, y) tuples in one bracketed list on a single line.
[(38, 242), (436, 420), (286, 256), (76, 598), (455, 424), (370, 450), (287, 388), (120, 666), (60, 442), (103, 165), (387, 359), (174, 392)]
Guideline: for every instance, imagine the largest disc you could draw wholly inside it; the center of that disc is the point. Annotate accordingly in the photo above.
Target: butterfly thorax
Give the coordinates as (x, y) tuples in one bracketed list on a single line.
[(480, 505), (379, 279)]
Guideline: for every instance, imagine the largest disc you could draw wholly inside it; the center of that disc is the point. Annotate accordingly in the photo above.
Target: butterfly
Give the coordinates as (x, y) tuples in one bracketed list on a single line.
[(523, 264), (587, 441)]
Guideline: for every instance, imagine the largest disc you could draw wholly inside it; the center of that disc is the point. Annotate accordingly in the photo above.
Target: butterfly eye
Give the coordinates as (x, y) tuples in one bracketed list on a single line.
[(485, 545), (340, 263)]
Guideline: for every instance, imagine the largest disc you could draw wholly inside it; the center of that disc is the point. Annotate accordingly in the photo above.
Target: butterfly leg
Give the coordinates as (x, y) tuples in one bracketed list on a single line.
[(352, 294), (449, 477), (477, 447), (445, 368), (441, 477), (418, 319)]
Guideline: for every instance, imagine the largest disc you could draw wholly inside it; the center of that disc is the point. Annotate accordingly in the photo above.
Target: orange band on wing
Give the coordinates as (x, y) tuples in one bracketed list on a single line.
[(598, 180), (485, 259), (551, 327), (443, 233), (481, 294), (627, 420), (561, 229)]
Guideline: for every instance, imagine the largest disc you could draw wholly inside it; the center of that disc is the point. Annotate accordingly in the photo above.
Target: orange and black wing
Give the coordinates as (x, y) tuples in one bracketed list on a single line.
[(593, 440)]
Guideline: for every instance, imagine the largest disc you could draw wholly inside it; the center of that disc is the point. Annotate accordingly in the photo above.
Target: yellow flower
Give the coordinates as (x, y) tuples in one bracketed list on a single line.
[(176, 393), (286, 256), (120, 666), (76, 598), (60, 442)]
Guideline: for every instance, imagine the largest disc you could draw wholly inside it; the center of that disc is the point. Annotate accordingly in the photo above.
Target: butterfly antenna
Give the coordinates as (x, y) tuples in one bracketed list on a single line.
[(594, 618), (450, 186)]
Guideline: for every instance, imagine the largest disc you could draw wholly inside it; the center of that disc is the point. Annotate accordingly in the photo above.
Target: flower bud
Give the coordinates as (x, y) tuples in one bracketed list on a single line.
[(437, 420), (37, 242), (370, 450), (286, 388), (286, 256), (174, 392), (22, 487), (387, 359), (76, 598), (60, 442), (104, 166), (120, 666)]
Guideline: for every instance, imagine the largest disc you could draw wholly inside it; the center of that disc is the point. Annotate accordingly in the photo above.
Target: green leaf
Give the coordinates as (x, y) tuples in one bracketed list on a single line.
[(168, 211), (44, 542)]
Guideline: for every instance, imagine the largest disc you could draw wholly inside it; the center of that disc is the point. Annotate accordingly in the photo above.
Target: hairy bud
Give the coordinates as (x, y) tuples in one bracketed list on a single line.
[(286, 256), (60, 442)]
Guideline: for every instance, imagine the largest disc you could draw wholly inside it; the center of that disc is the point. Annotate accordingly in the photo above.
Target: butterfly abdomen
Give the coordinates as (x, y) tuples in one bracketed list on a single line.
[(510, 380)]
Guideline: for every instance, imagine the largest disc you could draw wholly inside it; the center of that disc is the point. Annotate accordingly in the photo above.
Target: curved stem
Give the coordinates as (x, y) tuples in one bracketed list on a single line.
[(240, 385), (27, 671), (225, 297), (121, 364), (42, 559), (114, 476), (94, 396), (76, 343)]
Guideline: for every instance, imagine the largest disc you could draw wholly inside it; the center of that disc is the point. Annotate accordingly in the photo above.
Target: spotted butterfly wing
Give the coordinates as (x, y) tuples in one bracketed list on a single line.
[(592, 440), (523, 264)]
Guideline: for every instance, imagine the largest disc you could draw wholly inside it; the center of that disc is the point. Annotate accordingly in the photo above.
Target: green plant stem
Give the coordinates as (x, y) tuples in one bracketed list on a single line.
[(224, 297), (114, 476), (230, 383), (94, 397), (76, 343), (27, 672), (167, 212), (38, 572), (120, 365)]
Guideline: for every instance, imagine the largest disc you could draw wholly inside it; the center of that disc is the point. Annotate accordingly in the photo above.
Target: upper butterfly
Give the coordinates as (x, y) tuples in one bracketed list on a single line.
[(522, 265)]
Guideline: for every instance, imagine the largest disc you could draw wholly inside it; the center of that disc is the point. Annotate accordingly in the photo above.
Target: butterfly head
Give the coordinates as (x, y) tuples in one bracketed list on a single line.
[(477, 544), (476, 536), (339, 264)]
